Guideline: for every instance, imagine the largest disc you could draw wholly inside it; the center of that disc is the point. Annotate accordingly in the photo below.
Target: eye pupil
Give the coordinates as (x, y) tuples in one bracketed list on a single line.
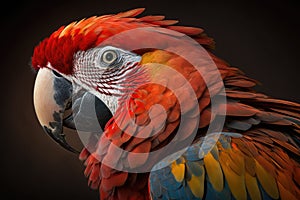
[(109, 56)]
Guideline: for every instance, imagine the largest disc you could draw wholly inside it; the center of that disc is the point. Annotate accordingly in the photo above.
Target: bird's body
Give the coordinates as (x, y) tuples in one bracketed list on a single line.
[(256, 155)]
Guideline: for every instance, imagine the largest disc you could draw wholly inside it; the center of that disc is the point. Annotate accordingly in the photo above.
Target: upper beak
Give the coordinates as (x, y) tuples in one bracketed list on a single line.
[(52, 94), (57, 106)]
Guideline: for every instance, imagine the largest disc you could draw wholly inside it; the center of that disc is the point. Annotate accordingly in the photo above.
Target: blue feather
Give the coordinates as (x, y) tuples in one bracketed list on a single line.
[(191, 153), (194, 168), (211, 193)]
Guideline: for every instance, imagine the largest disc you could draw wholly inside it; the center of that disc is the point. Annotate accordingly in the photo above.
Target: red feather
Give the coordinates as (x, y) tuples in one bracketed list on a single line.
[(244, 107)]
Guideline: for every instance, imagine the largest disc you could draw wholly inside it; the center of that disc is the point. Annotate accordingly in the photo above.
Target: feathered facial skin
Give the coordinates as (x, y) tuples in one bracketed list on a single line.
[(106, 72), (83, 80)]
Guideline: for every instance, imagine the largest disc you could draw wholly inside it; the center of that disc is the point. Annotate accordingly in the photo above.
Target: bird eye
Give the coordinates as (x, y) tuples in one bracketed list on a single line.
[(109, 57)]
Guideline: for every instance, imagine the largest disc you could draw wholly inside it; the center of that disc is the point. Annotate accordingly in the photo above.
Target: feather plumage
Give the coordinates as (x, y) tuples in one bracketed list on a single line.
[(251, 166)]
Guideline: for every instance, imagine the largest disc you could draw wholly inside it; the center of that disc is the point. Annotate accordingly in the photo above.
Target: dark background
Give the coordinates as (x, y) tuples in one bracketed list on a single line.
[(260, 37)]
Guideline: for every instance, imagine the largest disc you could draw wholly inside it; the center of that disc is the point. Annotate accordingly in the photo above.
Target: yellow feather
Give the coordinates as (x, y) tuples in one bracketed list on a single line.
[(178, 171), (196, 184), (157, 56), (267, 181), (250, 165), (155, 61), (67, 29), (237, 163), (252, 187), (214, 172), (236, 183)]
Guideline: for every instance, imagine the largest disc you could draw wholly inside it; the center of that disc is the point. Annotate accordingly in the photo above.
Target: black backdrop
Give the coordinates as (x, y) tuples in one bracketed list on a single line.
[(260, 37)]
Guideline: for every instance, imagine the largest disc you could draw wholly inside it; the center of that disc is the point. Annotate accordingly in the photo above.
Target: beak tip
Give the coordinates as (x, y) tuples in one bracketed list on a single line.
[(59, 137)]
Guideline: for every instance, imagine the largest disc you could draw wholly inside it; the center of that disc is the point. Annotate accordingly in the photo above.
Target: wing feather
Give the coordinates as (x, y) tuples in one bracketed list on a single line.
[(238, 167)]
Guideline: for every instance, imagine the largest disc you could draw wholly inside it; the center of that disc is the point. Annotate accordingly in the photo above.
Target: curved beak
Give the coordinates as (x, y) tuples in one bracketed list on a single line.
[(57, 106), (51, 96)]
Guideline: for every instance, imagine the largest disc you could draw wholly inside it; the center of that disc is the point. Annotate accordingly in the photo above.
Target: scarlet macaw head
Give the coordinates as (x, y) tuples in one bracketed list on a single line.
[(75, 65), (72, 58), (103, 72)]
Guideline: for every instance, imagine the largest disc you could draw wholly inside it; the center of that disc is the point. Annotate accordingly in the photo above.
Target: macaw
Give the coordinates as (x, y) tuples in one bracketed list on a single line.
[(256, 153)]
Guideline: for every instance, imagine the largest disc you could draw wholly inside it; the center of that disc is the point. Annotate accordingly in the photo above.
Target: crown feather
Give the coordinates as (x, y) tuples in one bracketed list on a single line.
[(61, 46)]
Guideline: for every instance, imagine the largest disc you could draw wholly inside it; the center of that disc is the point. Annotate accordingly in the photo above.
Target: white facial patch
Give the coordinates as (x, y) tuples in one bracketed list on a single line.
[(104, 72)]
